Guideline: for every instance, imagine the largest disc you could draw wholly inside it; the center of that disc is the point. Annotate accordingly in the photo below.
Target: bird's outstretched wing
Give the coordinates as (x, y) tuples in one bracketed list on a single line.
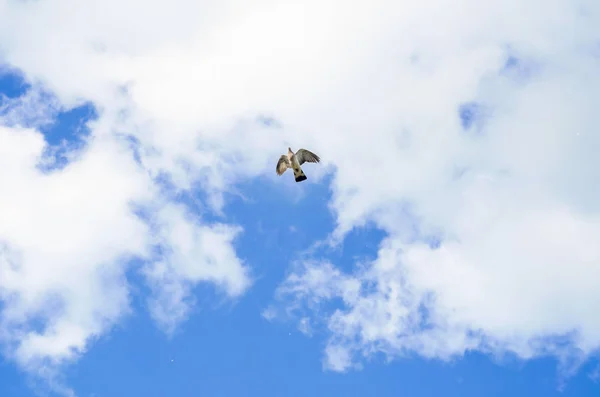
[(283, 164), (304, 155)]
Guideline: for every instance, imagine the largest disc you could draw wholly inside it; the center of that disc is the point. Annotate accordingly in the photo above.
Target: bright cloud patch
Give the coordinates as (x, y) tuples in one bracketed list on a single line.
[(383, 91), (68, 236), (64, 234)]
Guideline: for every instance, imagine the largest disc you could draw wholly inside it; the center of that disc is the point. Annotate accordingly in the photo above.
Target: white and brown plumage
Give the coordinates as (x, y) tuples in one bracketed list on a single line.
[(294, 161)]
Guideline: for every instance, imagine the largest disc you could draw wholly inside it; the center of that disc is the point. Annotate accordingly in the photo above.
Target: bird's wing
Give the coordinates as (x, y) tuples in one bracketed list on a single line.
[(304, 155), (283, 164)]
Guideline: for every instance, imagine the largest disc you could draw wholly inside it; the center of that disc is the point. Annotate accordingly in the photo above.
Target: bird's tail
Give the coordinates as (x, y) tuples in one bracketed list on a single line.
[(299, 175)]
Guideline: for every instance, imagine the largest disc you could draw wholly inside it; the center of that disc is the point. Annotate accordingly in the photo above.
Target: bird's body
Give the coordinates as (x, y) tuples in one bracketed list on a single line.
[(294, 161)]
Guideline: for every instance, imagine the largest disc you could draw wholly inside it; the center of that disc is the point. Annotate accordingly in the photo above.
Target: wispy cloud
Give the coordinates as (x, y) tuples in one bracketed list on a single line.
[(36, 108)]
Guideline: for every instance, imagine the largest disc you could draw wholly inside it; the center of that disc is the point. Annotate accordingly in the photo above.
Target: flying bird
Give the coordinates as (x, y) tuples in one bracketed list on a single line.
[(294, 161)]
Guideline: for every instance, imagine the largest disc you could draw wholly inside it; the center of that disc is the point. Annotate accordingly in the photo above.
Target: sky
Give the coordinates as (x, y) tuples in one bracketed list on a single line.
[(446, 244)]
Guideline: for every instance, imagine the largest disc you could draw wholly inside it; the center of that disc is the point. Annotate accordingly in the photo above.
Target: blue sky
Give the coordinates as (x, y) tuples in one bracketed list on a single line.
[(446, 244), (228, 349)]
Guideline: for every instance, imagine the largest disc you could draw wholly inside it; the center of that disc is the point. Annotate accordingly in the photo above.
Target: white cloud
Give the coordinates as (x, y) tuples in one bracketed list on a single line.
[(67, 236), (374, 88), (64, 235), (193, 254), (34, 108)]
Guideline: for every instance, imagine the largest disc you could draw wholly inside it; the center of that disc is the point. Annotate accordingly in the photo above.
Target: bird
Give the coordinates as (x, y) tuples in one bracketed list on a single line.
[(294, 161)]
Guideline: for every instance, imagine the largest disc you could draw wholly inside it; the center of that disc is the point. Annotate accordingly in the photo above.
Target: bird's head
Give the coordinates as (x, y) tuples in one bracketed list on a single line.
[(290, 150)]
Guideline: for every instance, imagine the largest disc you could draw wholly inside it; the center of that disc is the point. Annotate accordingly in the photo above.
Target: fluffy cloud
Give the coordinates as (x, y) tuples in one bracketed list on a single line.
[(512, 200), (194, 253), (67, 236), (375, 88), (63, 235)]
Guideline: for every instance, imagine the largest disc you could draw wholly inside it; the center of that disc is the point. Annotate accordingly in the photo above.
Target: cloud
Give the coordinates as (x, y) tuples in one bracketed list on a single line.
[(193, 254), (35, 108), (64, 235), (67, 240), (515, 267), (376, 89)]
